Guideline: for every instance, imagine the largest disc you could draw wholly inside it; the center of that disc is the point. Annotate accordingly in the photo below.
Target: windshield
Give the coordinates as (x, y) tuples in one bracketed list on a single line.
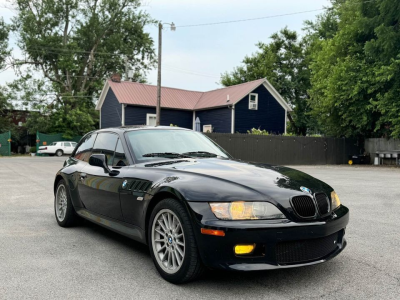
[(151, 144)]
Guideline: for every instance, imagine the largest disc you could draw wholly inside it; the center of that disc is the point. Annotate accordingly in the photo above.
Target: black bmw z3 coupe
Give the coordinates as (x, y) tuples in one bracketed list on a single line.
[(195, 206)]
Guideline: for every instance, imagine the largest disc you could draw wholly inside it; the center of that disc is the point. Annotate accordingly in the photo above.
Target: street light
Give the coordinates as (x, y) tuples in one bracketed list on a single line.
[(158, 107)]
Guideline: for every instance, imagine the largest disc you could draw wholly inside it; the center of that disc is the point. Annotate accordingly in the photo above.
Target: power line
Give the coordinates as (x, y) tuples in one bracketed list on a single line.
[(266, 17), (252, 19), (187, 70), (190, 73), (58, 50)]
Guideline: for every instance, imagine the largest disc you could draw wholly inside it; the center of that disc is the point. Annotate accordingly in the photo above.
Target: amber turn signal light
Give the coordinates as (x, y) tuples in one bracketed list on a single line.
[(244, 249), (212, 232)]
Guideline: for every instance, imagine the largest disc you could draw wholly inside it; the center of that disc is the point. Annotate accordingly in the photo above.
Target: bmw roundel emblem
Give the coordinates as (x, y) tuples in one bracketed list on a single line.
[(305, 190), (124, 184)]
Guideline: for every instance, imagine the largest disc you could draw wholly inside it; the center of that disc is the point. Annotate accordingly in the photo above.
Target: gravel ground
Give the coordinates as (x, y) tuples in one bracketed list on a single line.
[(40, 260)]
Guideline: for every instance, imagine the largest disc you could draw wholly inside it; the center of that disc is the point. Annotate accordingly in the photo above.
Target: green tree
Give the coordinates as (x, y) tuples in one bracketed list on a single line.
[(4, 51), (5, 108), (5, 104), (356, 70), (284, 62), (76, 45)]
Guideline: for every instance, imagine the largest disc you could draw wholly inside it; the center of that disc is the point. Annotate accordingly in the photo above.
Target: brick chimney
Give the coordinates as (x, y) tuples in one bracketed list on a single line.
[(116, 77)]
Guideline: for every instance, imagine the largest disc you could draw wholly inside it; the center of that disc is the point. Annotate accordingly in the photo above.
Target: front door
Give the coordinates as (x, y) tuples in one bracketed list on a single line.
[(151, 119), (68, 148), (98, 190)]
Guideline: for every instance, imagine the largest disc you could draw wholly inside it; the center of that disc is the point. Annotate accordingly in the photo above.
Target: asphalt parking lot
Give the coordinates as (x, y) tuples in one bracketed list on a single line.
[(40, 260)]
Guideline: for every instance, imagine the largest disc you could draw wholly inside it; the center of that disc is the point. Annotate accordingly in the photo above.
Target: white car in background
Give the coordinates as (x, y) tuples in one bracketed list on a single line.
[(58, 148)]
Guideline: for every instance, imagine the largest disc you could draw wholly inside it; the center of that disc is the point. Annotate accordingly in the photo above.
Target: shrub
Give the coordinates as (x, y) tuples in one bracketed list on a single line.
[(33, 149), (257, 131)]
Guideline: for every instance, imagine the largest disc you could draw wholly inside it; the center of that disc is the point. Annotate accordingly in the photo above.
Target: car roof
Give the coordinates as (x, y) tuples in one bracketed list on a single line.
[(141, 127)]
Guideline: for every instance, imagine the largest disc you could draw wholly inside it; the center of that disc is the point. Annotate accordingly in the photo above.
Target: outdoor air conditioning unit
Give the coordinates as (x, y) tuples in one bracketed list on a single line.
[(253, 106), (207, 128)]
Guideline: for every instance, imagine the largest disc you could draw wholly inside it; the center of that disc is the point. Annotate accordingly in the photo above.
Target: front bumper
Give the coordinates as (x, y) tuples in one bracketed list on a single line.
[(279, 243)]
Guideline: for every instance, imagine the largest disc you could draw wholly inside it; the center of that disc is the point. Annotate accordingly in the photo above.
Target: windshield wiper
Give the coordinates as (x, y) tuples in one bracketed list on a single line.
[(200, 154), (166, 154)]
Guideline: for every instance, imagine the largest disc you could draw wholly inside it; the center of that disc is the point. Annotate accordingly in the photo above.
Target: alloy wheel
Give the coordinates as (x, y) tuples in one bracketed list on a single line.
[(168, 241), (61, 202)]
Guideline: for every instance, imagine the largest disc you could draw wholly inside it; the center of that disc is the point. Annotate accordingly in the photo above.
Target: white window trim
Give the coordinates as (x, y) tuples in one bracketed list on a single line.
[(233, 119), (253, 94), (286, 112), (123, 115), (148, 116)]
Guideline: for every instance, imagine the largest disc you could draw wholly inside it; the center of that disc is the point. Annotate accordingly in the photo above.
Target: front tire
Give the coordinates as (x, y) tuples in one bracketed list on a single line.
[(59, 153), (172, 243), (63, 209)]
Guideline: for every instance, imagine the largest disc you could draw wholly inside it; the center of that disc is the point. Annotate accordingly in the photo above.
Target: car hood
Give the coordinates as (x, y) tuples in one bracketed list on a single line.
[(274, 182)]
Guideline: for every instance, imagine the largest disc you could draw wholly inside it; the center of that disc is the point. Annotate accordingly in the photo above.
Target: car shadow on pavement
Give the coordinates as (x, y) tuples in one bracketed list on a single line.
[(212, 280), (116, 238)]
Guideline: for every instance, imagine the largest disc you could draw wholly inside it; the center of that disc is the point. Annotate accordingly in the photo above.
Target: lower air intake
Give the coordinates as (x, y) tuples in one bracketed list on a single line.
[(306, 250)]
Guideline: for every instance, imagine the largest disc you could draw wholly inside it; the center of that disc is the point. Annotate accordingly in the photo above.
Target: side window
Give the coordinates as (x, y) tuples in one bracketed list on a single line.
[(60, 144), (253, 101), (67, 144), (105, 144), (119, 158), (85, 148)]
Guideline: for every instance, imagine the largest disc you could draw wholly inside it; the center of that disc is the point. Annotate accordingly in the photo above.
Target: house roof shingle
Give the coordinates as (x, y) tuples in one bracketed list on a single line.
[(218, 97), (135, 93)]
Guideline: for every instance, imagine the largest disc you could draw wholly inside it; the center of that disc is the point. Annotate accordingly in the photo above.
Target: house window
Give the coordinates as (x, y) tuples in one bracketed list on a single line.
[(253, 101), (151, 119)]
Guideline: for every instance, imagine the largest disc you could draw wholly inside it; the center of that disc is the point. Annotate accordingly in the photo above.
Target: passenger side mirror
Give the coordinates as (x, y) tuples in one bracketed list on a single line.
[(100, 160)]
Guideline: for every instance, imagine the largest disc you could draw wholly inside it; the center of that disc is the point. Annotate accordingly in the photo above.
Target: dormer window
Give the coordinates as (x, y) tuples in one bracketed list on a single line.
[(253, 101)]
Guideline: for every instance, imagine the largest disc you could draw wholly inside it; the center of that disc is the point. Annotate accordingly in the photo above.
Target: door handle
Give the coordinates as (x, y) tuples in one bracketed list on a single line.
[(83, 176)]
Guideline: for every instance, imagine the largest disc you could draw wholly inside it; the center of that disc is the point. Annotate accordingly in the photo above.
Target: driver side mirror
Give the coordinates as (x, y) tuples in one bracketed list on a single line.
[(100, 160)]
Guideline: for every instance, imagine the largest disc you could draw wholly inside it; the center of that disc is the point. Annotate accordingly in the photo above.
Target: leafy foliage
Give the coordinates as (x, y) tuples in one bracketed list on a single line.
[(76, 45), (5, 108), (284, 62), (4, 51), (356, 71), (257, 131)]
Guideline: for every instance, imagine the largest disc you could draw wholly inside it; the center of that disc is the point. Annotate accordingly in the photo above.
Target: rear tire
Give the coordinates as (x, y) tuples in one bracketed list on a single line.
[(63, 208), (59, 152), (172, 243)]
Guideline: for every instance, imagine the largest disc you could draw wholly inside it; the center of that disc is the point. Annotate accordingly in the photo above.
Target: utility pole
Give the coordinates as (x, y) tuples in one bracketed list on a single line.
[(158, 107), (126, 69)]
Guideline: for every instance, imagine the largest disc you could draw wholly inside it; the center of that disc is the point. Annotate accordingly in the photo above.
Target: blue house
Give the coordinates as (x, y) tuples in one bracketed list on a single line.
[(238, 108)]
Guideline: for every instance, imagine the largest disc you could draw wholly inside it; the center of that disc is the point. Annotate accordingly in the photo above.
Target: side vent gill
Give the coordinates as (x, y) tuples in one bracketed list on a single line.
[(140, 186)]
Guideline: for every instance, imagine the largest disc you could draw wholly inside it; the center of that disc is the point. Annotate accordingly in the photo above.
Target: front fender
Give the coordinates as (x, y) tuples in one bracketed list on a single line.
[(156, 195), (70, 177)]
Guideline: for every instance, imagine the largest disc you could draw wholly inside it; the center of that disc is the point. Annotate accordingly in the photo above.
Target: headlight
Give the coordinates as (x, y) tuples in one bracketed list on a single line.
[(335, 200), (241, 210)]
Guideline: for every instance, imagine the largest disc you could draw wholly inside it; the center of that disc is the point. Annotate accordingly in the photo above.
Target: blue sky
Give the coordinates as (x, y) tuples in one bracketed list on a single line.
[(194, 57)]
